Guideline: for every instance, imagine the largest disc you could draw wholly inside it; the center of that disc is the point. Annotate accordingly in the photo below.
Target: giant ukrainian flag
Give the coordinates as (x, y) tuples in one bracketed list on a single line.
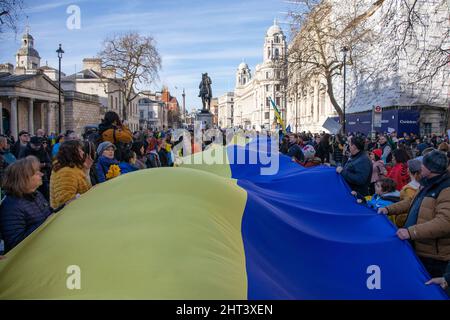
[(217, 232)]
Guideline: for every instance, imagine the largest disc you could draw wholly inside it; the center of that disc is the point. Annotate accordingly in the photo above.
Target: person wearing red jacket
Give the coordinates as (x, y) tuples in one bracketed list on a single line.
[(399, 172)]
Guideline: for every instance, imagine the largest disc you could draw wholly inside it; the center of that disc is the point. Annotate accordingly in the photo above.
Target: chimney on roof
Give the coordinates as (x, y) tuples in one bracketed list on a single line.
[(7, 67), (93, 64)]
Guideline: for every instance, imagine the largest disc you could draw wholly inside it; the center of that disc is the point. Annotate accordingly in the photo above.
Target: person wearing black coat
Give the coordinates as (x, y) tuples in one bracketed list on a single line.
[(24, 208), (19, 146), (324, 149), (357, 172), (36, 148), (294, 150)]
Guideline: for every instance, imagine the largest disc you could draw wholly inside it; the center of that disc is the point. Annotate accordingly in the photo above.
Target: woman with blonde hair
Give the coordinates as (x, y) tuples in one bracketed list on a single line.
[(24, 208)]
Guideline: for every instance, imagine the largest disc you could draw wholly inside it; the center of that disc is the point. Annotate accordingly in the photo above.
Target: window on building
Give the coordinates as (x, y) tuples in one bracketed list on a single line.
[(278, 75), (141, 115), (267, 75), (277, 54), (267, 88), (426, 129), (111, 103), (278, 101), (322, 103), (267, 102), (277, 88), (267, 115), (277, 40), (117, 103)]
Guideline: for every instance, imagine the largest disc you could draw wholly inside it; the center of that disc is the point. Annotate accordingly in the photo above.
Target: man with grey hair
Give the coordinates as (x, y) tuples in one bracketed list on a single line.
[(40, 133)]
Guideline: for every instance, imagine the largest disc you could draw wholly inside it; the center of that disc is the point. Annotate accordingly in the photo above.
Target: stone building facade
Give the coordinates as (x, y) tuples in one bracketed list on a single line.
[(226, 107), (252, 107)]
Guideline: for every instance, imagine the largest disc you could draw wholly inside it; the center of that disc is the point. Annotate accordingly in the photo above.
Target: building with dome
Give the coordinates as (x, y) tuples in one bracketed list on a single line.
[(27, 57), (29, 97), (252, 107)]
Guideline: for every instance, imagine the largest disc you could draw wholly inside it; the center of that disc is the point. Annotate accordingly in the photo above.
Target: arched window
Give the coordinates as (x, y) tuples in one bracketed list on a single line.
[(277, 53)]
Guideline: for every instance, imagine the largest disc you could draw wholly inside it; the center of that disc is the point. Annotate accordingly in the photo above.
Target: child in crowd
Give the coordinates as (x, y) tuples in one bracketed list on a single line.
[(385, 194), (310, 159), (129, 162), (379, 170)]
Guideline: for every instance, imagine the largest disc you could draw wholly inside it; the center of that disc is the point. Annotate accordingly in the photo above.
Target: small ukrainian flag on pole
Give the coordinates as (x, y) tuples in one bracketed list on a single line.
[(278, 115)]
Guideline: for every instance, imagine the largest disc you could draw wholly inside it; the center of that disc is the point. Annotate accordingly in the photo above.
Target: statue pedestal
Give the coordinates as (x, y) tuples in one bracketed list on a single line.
[(206, 118)]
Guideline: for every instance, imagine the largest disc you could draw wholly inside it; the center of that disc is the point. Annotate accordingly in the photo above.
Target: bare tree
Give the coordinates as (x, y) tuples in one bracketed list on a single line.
[(401, 30), (315, 52), (9, 14), (136, 62)]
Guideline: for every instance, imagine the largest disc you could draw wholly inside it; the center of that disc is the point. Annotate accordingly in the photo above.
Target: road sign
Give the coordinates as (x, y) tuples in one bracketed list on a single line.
[(377, 117)]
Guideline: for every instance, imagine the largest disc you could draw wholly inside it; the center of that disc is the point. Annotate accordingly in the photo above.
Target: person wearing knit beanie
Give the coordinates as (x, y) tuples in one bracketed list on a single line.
[(436, 162)]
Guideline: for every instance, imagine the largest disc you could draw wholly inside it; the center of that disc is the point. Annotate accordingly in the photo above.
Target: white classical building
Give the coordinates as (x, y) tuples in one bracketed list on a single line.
[(29, 97), (152, 111), (226, 106), (103, 82), (252, 107)]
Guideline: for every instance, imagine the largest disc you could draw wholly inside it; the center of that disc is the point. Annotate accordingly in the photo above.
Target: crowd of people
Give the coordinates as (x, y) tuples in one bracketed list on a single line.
[(41, 174), (405, 178)]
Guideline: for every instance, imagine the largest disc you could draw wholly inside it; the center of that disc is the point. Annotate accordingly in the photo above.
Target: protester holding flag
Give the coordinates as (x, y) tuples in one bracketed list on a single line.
[(385, 194), (428, 222), (24, 208), (358, 169)]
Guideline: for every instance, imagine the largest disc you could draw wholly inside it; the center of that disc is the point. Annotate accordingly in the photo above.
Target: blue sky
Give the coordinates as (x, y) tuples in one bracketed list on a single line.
[(193, 36)]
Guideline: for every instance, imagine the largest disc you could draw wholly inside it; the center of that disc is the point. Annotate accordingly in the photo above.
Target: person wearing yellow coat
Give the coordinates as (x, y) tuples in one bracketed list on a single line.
[(113, 130), (70, 176), (409, 191)]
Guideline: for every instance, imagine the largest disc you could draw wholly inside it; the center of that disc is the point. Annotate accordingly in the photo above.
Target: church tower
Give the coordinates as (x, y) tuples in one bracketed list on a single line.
[(27, 57), (275, 43), (243, 75)]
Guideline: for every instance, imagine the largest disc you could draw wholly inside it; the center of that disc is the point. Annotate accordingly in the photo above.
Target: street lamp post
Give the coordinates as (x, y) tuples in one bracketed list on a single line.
[(60, 52), (344, 50), (184, 107)]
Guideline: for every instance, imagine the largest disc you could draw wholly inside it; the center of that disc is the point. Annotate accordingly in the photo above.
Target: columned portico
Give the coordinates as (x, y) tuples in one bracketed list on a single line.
[(49, 105), (1, 118), (14, 117), (31, 116)]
